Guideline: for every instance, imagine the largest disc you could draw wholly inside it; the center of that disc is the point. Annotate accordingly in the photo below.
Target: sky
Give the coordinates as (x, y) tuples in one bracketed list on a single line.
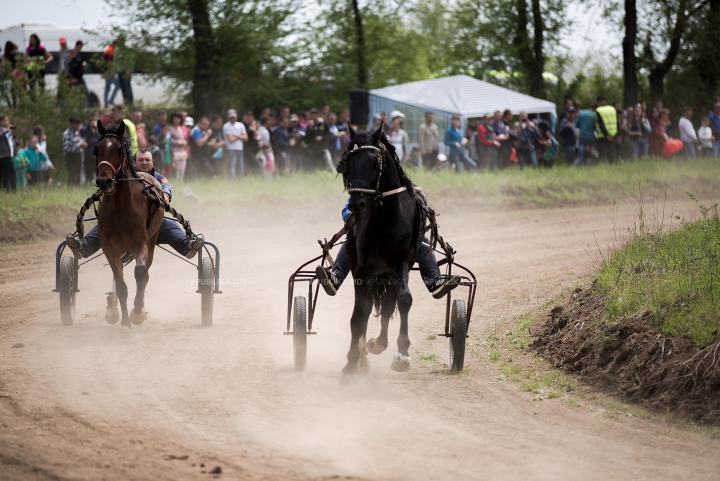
[(588, 33)]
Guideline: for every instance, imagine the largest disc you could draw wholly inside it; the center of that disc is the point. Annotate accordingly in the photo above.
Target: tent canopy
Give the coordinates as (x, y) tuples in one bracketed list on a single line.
[(461, 95)]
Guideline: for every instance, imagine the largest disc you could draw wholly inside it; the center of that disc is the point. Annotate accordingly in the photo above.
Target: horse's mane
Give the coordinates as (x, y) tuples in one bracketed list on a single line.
[(365, 138), (114, 129)]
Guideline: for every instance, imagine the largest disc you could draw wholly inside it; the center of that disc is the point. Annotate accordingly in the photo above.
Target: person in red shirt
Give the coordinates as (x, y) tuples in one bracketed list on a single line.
[(488, 145)]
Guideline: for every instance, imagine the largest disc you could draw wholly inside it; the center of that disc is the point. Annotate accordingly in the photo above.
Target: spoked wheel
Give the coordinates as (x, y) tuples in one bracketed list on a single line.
[(66, 288), (300, 333), (458, 332), (207, 290)]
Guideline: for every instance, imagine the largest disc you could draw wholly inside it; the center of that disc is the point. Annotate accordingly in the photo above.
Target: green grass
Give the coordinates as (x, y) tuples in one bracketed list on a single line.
[(673, 275)]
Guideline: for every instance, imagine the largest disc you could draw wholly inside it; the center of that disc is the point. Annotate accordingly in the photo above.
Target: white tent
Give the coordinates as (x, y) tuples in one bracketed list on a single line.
[(459, 95)]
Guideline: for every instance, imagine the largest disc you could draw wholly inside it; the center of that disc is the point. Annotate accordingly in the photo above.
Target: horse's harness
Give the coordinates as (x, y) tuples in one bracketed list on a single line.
[(119, 171), (343, 169)]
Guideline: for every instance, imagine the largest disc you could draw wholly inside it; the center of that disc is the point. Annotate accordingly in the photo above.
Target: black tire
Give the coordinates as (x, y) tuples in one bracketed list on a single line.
[(458, 333), (300, 333), (66, 288), (207, 291)]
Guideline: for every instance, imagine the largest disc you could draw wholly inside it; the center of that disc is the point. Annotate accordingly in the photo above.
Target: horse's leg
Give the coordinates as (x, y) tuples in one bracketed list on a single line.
[(120, 285), (376, 346), (137, 316), (401, 361), (358, 326)]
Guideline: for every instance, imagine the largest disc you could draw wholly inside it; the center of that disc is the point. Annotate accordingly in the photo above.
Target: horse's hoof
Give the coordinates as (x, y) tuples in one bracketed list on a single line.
[(137, 318), (374, 346), (400, 363), (112, 316)]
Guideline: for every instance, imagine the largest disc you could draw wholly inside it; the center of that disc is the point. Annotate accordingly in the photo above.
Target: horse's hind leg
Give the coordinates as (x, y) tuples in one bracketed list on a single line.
[(401, 361), (377, 346), (358, 327)]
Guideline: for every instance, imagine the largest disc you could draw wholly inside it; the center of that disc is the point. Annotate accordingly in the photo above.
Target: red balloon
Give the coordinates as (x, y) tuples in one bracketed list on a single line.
[(672, 147)]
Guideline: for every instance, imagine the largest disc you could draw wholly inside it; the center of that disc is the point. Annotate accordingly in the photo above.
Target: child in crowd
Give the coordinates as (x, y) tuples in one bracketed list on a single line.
[(36, 158), (266, 159), (20, 162), (414, 158), (705, 137), (165, 141), (157, 153), (441, 163)]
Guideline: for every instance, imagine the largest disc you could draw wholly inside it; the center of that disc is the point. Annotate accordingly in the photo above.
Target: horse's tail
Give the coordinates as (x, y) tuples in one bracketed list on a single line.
[(378, 289)]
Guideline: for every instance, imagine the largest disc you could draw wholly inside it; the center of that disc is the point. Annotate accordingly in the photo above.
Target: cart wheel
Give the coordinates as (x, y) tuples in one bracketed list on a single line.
[(66, 287), (207, 290), (458, 331), (300, 333)]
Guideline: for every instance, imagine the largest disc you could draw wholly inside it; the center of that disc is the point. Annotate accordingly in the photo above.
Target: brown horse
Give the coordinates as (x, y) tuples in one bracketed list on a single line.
[(127, 223)]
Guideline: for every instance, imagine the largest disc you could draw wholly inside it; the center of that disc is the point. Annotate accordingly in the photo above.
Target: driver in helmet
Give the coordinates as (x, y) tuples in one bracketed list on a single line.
[(170, 231), (438, 284)]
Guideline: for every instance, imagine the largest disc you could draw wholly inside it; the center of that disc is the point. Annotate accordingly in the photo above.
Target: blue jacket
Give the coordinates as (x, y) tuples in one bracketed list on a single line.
[(453, 135), (166, 188), (346, 211)]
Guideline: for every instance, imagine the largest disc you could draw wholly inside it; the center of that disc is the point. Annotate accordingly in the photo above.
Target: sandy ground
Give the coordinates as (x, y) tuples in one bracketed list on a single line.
[(94, 401)]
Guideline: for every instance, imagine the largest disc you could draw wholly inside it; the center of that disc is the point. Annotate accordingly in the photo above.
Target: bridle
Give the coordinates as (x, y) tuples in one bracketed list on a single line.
[(119, 171), (380, 161)]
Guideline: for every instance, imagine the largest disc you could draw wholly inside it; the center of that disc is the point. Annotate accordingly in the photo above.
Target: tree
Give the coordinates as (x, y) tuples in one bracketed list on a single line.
[(222, 52), (507, 35), (360, 47), (630, 80)]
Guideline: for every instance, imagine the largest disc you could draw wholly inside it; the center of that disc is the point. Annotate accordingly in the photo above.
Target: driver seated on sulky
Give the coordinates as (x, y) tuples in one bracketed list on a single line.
[(170, 231), (438, 284)]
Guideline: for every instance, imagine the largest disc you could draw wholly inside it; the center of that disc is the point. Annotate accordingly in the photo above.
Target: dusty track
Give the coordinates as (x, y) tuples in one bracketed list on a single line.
[(94, 401)]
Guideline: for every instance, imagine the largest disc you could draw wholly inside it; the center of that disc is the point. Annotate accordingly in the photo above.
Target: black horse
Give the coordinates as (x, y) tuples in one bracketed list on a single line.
[(381, 246)]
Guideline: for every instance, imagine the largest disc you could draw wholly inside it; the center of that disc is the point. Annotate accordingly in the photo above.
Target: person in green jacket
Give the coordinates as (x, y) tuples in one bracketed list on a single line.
[(20, 162), (36, 174), (119, 116)]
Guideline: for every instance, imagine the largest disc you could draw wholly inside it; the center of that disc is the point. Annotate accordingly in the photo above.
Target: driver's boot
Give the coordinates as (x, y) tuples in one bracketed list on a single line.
[(442, 285), (327, 279), (75, 245), (195, 245)]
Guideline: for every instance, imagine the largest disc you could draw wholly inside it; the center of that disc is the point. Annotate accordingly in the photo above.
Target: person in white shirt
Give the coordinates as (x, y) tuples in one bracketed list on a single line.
[(235, 134), (687, 134), (397, 136), (705, 137)]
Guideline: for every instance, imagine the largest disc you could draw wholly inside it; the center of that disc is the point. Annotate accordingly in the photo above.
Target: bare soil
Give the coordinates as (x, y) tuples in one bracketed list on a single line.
[(173, 400), (630, 357)]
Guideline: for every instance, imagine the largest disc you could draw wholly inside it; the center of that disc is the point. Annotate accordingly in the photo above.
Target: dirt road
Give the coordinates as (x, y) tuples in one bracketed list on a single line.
[(173, 400)]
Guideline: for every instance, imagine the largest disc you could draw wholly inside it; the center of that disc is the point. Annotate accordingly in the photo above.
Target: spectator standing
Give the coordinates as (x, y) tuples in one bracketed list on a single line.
[(123, 63), (714, 117), (687, 134), (657, 136), (110, 75), (63, 58), (235, 134), (639, 130), (118, 113), (705, 136), (36, 58), (252, 144), (73, 146), (317, 139), (76, 72), (200, 149), (429, 140), (397, 136), (455, 142), (548, 146), (165, 143), (13, 61), (335, 140), (7, 152), (140, 129), (283, 144), (263, 130), (161, 120), (36, 159), (343, 128), (488, 145), (217, 144), (266, 159), (607, 130), (568, 135), (502, 126), (586, 132), (528, 135), (178, 145), (90, 136), (20, 164)]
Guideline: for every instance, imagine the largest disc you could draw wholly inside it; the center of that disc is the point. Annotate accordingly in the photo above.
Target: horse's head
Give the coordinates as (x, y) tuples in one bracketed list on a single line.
[(110, 156), (361, 167)]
